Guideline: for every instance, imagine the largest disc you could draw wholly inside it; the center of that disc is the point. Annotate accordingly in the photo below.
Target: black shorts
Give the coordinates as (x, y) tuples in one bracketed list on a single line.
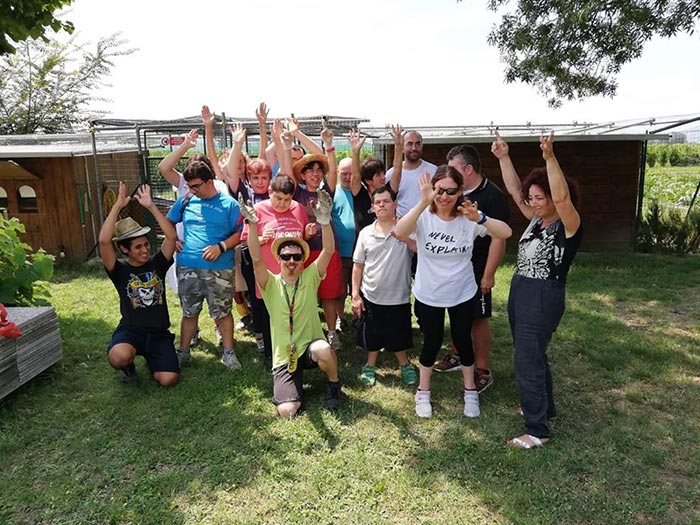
[(482, 303), (387, 327), (157, 348), (287, 388)]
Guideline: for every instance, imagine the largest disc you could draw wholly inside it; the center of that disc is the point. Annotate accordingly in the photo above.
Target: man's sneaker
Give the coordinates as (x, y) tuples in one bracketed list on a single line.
[(183, 356), (245, 322), (423, 406), (195, 339), (219, 339), (368, 375), (471, 403), (408, 374), (230, 360), (129, 375), (334, 340), (260, 343), (483, 379), (449, 363), (333, 396)]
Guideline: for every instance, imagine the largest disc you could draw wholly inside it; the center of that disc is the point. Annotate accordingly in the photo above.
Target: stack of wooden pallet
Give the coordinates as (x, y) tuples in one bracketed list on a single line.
[(38, 348)]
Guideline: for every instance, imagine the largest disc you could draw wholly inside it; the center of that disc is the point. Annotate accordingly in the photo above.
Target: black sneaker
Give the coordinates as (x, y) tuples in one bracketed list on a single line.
[(333, 396), (129, 375), (483, 379)]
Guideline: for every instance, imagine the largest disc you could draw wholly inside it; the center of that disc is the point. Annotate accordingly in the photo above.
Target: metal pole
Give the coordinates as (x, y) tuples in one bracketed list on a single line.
[(640, 195), (98, 182), (145, 178)]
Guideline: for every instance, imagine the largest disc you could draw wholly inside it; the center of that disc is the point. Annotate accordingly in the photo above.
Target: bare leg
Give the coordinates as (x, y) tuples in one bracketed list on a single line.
[(188, 326), (372, 358), (426, 373), (326, 358), (402, 357), (481, 336), (225, 325), (121, 355)]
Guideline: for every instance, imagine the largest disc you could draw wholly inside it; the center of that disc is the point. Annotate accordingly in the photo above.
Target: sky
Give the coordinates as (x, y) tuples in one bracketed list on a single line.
[(415, 62)]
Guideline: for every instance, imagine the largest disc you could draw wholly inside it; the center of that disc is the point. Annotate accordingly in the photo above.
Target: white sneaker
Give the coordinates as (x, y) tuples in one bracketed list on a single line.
[(230, 360), (471, 403), (423, 406), (334, 340)]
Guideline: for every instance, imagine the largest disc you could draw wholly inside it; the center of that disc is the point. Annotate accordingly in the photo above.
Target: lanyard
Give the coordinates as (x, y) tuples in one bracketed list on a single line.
[(290, 304)]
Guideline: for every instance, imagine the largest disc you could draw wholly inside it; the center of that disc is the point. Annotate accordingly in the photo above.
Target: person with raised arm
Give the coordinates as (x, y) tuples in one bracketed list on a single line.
[(445, 226), (140, 282), (546, 249), (291, 299)]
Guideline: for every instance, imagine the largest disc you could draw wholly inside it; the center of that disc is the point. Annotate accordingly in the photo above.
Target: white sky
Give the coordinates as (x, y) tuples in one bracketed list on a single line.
[(417, 62)]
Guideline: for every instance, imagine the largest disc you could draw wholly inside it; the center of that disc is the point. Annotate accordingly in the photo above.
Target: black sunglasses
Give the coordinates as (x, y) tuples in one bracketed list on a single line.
[(291, 256), (450, 191)]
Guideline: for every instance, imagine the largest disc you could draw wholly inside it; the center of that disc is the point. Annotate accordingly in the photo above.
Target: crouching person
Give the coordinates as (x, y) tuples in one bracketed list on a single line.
[(140, 283), (291, 300)]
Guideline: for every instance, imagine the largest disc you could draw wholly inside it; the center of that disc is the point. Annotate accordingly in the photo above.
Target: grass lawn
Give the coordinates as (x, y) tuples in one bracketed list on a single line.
[(76, 447)]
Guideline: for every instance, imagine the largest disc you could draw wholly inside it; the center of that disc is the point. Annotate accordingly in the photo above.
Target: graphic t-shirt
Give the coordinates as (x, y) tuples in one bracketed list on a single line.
[(141, 292), (546, 253), (445, 276)]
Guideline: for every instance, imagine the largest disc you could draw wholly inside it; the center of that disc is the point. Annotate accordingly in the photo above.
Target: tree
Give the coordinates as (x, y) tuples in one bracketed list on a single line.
[(47, 86), (573, 49), (28, 19)]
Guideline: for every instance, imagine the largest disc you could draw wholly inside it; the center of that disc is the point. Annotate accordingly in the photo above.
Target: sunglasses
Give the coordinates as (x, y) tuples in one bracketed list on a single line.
[(291, 257), (450, 191)]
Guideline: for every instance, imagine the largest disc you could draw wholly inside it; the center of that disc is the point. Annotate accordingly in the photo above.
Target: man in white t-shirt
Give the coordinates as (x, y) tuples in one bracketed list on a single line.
[(413, 168)]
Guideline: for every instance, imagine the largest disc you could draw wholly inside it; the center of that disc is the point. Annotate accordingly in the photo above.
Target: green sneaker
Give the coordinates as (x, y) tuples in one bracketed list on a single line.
[(408, 374), (368, 375)]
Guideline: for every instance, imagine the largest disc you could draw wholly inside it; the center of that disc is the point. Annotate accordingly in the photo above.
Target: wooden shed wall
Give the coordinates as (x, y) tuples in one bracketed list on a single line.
[(606, 171), (62, 181)]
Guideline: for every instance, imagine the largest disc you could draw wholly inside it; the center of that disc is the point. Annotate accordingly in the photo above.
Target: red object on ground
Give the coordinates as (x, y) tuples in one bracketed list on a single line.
[(8, 328)]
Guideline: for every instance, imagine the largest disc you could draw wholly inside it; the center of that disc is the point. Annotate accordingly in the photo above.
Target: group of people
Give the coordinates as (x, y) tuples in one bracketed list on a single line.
[(306, 229)]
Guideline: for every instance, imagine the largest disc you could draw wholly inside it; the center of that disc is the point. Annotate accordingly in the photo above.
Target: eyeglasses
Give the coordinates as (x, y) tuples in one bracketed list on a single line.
[(450, 191), (291, 256), (195, 187)]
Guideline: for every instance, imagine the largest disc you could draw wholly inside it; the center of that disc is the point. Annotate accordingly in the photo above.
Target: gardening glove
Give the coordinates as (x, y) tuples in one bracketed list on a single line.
[(247, 210), (322, 209)]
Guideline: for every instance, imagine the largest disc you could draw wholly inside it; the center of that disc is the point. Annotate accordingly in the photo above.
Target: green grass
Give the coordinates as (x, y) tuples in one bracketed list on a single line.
[(76, 447)]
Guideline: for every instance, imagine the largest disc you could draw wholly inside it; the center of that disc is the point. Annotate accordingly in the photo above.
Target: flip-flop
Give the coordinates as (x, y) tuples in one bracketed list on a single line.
[(520, 413), (518, 442)]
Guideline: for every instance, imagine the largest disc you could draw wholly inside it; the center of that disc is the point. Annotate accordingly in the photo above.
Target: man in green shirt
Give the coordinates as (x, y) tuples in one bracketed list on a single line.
[(291, 298)]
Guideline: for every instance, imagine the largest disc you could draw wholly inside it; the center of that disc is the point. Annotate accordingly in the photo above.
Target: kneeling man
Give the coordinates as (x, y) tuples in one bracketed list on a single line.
[(291, 300)]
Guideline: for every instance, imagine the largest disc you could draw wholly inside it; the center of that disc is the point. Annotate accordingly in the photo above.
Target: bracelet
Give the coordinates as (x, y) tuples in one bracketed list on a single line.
[(222, 246), (484, 218), (330, 150)]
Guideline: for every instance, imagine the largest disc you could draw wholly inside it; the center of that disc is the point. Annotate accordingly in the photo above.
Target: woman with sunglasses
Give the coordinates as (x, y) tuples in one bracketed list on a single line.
[(445, 226), (548, 199)]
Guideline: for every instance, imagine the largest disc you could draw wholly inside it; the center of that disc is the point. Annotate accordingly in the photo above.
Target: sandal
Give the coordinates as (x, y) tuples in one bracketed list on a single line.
[(527, 441)]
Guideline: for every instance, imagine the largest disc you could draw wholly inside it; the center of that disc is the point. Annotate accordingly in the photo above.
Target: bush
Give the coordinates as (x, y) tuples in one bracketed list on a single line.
[(651, 158), (21, 270), (665, 229)]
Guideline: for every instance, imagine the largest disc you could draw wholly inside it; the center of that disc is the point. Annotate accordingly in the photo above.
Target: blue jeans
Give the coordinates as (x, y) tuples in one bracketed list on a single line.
[(535, 307)]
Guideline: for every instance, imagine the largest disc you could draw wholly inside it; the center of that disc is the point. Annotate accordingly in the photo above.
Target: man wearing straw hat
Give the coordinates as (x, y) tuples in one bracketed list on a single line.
[(143, 328), (291, 299)]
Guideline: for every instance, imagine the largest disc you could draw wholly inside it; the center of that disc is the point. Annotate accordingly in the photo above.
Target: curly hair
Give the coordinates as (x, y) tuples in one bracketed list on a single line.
[(538, 177)]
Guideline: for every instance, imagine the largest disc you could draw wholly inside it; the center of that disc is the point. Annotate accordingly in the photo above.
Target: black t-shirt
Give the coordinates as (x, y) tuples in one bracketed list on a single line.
[(141, 292), (546, 253), (493, 203), (362, 206)]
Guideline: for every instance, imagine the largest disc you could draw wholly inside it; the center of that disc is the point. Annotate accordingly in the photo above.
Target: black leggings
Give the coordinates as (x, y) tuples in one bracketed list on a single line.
[(432, 323)]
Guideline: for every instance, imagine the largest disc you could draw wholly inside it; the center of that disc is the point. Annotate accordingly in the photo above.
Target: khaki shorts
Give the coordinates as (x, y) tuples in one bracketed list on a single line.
[(195, 285)]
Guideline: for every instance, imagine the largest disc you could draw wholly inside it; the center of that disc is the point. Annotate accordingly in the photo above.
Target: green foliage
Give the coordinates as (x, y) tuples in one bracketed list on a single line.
[(29, 19), (47, 86), (20, 269), (573, 50), (651, 157), (665, 229), (674, 154), (673, 186)]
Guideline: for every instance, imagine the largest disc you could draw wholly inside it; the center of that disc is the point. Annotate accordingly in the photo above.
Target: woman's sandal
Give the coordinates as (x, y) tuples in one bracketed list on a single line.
[(527, 441)]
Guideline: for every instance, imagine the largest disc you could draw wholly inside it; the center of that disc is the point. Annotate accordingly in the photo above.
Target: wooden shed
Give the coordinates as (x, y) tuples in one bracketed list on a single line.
[(608, 168), (50, 184)]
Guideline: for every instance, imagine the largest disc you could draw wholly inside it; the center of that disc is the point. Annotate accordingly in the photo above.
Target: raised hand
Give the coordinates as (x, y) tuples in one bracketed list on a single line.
[(247, 209), (397, 135), (287, 139), (208, 118), (292, 125), (122, 198), (547, 147), (238, 133), (277, 128), (261, 114), (143, 196), (356, 140), (427, 192), (191, 138), (322, 209), (500, 147), (327, 136)]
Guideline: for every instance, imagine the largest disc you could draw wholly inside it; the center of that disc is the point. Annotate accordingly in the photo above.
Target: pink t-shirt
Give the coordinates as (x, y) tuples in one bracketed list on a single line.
[(290, 223)]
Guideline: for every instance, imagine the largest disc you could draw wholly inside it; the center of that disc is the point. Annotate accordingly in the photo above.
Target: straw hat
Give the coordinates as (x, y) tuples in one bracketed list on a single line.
[(279, 241), (127, 229), (309, 158)]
